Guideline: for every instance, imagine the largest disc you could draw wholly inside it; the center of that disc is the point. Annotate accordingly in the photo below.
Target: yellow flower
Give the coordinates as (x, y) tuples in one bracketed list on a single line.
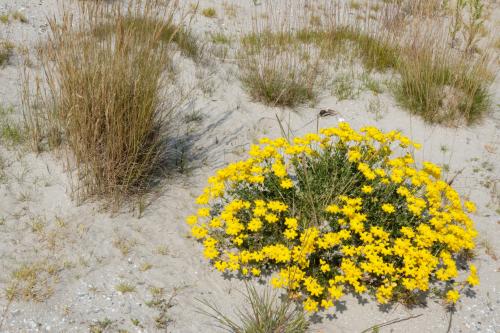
[(290, 233), (271, 218), (324, 266), (334, 209), (277, 206), (210, 252), (473, 279), (432, 169), (221, 265), (279, 169), (312, 286), (310, 305), (367, 189), (255, 224), (366, 171), (404, 251), (192, 220), (470, 206), (199, 232), (452, 296), (354, 155), (291, 222), (202, 199), (286, 183), (215, 222), (388, 208), (326, 303), (335, 291), (204, 212), (259, 211)]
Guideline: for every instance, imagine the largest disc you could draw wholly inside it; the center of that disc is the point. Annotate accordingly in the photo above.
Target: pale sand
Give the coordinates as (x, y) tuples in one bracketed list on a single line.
[(84, 246)]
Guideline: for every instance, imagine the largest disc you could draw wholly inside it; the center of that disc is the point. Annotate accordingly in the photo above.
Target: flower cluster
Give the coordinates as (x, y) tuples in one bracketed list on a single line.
[(336, 212)]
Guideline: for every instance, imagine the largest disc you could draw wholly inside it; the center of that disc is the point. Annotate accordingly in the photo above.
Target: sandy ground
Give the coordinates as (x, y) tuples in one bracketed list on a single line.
[(83, 253)]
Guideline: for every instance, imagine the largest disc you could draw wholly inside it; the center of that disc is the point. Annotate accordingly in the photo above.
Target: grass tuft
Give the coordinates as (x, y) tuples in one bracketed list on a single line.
[(344, 87), (265, 312), (125, 287), (19, 16), (277, 70), (4, 18), (442, 89), (220, 38), (10, 132), (6, 51), (209, 12)]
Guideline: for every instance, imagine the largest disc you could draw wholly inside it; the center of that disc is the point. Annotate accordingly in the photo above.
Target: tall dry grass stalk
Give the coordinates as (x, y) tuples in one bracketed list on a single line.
[(105, 98)]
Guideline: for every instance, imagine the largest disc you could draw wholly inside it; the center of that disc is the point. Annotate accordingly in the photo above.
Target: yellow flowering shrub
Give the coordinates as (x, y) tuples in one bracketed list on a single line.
[(337, 212)]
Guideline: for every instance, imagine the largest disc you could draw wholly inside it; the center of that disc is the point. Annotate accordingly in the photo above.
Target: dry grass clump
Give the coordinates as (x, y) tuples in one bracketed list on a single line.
[(125, 288), (4, 18), (16, 16), (6, 51), (209, 12), (278, 74), (442, 88), (440, 77), (10, 132), (276, 67), (106, 94), (19, 16)]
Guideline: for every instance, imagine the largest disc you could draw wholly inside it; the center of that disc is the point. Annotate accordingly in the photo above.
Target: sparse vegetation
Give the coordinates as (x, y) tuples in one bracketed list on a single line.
[(10, 132), (220, 38), (230, 9), (355, 5), (277, 69), (33, 282), (344, 87), (338, 212), (443, 89), (6, 51), (19, 16), (162, 305), (209, 12), (125, 287), (101, 326), (146, 266), (434, 83), (4, 18), (371, 84), (124, 245)]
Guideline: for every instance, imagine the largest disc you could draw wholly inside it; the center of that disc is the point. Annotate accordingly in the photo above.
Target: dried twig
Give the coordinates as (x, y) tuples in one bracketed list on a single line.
[(390, 322)]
